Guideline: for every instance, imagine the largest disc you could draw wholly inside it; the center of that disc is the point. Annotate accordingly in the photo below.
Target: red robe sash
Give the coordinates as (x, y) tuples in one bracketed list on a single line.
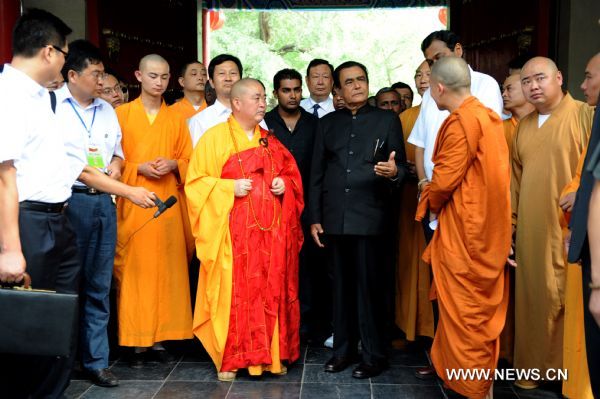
[(265, 262)]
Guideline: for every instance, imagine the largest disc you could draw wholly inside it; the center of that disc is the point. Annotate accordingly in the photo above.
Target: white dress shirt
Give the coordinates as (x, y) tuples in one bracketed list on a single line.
[(430, 119), (101, 120), (325, 106), (31, 138), (209, 117)]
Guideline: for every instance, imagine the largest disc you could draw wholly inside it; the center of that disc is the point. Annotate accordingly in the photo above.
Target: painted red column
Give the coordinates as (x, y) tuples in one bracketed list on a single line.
[(10, 10), (92, 22)]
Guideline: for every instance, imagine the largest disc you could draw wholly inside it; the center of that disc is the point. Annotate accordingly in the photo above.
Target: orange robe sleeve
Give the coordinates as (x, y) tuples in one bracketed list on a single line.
[(469, 191)]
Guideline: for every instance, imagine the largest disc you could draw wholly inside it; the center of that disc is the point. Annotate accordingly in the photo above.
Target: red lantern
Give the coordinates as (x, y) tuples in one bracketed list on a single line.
[(217, 19), (443, 16)]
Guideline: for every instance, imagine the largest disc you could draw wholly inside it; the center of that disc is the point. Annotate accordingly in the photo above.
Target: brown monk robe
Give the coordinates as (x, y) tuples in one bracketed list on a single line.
[(515, 102), (469, 194), (546, 149), (414, 313)]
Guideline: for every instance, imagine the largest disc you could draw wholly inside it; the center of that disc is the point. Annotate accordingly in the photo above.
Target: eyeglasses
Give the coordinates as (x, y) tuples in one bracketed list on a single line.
[(109, 91), (66, 54), (97, 75)]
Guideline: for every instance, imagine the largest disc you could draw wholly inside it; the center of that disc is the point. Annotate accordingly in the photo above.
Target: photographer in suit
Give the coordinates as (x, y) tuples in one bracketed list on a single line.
[(358, 158)]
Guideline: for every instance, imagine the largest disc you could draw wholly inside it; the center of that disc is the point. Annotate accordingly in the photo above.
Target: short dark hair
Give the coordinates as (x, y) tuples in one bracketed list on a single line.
[(387, 90), (286, 73), (81, 54), (450, 38), (317, 62), (402, 85), (220, 59), (346, 65), (185, 66), (36, 29)]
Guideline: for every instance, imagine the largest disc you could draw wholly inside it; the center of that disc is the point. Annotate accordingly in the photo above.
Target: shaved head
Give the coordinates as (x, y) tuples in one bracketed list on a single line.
[(540, 62), (542, 84), (453, 73), (591, 82), (242, 86), (151, 59), (248, 102), (153, 75)]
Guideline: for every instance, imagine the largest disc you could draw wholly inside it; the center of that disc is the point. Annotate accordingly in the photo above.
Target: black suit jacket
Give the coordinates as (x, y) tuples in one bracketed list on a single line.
[(300, 142), (579, 215), (346, 197)]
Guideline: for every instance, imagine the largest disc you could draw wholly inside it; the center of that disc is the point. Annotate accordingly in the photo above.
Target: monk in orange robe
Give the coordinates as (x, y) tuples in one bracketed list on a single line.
[(469, 193), (151, 259), (192, 80), (414, 312), (574, 351), (245, 199)]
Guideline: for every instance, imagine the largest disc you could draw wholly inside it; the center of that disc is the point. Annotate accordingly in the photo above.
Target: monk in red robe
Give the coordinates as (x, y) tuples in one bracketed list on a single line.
[(470, 195), (245, 198)]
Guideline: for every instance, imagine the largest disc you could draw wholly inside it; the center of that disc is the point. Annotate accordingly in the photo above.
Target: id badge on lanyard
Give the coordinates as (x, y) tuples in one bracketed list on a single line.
[(95, 157), (94, 154)]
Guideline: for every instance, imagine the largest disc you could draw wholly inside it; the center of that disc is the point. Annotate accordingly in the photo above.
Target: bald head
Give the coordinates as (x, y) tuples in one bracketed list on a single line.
[(541, 82), (591, 82), (151, 59), (242, 86), (153, 75), (248, 102), (453, 73), (540, 62)]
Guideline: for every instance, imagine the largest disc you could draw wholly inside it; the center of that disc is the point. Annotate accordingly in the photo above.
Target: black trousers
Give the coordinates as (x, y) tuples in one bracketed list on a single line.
[(50, 250), (315, 279), (359, 287), (592, 330)]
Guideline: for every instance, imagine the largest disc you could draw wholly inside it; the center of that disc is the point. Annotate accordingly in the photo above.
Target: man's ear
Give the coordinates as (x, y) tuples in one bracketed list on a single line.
[(458, 50), (138, 76), (180, 80)]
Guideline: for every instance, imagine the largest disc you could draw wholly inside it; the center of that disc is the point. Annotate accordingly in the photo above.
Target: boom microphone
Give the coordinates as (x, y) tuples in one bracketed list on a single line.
[(163, 206)]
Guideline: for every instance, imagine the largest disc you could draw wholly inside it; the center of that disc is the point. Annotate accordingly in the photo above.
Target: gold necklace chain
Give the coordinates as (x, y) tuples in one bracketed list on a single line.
[(237, 152)]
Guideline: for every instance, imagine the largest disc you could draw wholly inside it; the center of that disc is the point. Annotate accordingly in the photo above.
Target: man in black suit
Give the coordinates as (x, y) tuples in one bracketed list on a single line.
[(296, 129), (579, 248), (358, 159)]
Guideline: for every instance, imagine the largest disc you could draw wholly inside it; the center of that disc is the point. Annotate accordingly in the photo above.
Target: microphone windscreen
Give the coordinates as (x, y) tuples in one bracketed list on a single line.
[(170, 201)]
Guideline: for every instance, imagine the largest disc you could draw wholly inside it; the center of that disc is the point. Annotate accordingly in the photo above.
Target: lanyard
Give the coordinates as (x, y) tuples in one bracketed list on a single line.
[(81, 119)]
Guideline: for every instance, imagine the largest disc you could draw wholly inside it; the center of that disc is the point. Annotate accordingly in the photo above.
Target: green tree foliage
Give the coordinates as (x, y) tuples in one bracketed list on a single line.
[(387, 41)]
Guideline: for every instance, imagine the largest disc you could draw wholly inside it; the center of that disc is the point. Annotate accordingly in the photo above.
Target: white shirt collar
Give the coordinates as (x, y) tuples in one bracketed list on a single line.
[(220, 108), (64, 94)]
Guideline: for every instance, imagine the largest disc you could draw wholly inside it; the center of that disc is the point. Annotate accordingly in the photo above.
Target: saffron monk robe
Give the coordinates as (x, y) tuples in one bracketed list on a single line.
[(245, 198), (469, 191)]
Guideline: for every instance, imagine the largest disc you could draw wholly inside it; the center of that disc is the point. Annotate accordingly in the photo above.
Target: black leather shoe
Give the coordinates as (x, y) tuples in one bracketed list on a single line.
[(425, 373), (337, 364), (103, 378), (366, 370)]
